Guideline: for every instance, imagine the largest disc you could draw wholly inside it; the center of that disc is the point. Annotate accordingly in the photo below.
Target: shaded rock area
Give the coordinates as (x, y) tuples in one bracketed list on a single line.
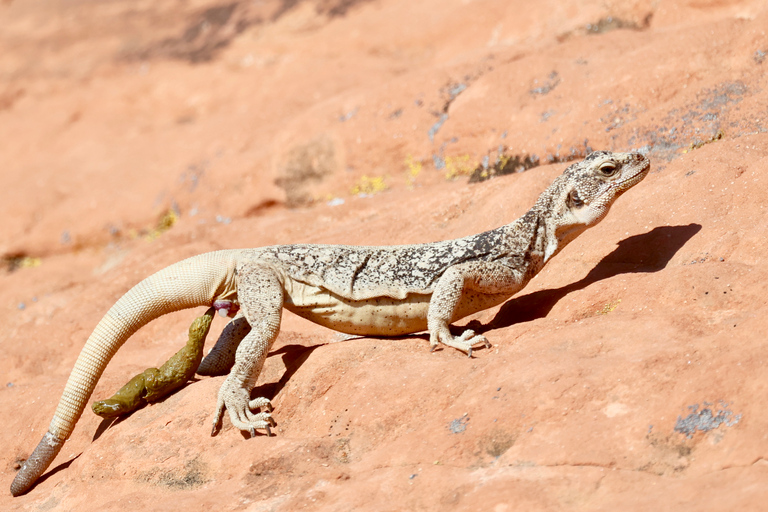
[(629, 375)]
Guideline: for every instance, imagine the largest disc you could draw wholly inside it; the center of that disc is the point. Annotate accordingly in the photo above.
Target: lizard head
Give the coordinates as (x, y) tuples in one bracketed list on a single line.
[(593, 184), (583, 194)]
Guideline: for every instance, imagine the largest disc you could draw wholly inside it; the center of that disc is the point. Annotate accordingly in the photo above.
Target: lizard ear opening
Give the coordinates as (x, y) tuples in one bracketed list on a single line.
[(574, 201)]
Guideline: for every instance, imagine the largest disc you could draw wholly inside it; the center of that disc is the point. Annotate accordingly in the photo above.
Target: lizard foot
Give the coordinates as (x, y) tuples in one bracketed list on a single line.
[(465, 342), (241, 412)]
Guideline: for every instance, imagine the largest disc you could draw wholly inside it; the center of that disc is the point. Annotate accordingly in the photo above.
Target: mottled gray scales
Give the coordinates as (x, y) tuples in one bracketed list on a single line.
[(374, 291), (390, 271)]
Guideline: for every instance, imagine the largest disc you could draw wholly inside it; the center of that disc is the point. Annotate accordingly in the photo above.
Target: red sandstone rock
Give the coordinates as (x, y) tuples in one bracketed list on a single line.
[(248, 120)]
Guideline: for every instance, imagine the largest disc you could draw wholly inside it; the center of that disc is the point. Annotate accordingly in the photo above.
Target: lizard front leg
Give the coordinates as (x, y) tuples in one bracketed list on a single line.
[(260, 292), (465, 289)]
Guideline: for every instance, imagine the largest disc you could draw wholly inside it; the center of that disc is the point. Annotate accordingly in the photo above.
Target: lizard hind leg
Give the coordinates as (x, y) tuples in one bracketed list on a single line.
[(260, 293), (222, 356)]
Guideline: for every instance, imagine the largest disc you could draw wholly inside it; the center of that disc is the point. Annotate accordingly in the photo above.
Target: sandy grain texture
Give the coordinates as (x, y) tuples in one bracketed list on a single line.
[(629, 375)]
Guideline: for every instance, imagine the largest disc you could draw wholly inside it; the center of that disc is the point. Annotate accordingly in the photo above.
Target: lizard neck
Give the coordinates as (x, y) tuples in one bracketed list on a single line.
[(547, 226), (537, 239)]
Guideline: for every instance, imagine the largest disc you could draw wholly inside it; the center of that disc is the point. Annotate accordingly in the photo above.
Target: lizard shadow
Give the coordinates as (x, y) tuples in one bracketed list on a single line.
[(107, 423), (293, 357), (49, 474), (648, 252)]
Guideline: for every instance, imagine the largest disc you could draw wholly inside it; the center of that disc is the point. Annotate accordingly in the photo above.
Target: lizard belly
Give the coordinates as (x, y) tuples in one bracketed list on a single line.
[(377, 316), (471, 302)]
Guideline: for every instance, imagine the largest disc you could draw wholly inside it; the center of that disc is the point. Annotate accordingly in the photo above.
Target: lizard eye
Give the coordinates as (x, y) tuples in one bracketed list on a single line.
[(608, 168), (574, 199)]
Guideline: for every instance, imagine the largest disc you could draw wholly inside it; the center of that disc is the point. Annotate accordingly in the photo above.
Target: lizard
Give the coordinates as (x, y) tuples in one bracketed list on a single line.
[(362, 290)]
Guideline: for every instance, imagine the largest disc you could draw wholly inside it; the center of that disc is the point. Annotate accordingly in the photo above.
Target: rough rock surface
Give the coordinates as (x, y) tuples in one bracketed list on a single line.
[(631, 373)]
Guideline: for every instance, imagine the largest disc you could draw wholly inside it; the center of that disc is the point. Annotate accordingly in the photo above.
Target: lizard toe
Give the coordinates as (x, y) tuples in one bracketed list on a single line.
[(254, 423), (260, 403), (470, 338), (236, 401), (465, 342), (260, 417)]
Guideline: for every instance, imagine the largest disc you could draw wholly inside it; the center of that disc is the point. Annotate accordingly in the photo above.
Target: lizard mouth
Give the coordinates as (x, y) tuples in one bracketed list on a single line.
[(615, 189), (637, 176)]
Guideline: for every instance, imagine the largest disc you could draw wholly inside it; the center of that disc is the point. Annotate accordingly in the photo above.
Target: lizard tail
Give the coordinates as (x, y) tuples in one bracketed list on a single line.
[(196, 281)]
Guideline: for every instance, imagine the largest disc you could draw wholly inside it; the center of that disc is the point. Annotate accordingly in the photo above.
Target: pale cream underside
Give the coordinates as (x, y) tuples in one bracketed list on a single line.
[(377, 316)]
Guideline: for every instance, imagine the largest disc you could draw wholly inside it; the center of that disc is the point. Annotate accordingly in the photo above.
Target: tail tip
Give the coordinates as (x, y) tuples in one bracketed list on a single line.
[(36, 464)]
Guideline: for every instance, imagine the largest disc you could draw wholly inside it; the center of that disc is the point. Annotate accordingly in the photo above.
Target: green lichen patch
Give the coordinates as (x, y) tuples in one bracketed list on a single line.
[(699, 143), (166, 222), (457, 166), (609, 306), (609, 23), (413, 168), (369, 185), (506, 163), (19, 261)]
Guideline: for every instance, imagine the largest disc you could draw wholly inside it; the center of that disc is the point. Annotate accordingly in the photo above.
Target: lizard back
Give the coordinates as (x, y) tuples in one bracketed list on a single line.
[(364, 272)]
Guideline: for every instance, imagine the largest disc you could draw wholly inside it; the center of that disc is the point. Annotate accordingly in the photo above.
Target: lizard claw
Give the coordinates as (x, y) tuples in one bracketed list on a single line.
[(217, 418)]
